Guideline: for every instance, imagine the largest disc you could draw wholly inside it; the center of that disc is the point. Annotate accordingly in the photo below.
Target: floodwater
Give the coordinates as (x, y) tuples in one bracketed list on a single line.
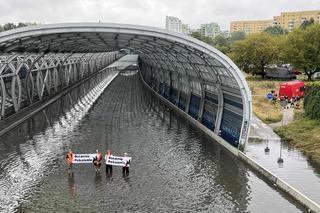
[(296, 169), (174, 168)]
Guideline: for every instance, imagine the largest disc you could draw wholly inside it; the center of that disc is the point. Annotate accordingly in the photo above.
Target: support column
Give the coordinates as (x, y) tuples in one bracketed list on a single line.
[(219, 111), (201, 106)]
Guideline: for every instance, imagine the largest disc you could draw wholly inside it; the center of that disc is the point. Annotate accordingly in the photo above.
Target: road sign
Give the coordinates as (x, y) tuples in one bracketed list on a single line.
[(269, 96)]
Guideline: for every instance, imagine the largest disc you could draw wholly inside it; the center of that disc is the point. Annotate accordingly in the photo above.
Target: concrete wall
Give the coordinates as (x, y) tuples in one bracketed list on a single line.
[(282, 185)]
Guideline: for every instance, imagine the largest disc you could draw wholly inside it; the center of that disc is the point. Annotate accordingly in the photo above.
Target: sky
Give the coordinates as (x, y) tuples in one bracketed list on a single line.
[(147, 12)]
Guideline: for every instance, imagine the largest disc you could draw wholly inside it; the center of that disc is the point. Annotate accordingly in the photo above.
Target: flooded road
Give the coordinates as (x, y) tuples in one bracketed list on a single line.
[(174, 168), (297, 169)]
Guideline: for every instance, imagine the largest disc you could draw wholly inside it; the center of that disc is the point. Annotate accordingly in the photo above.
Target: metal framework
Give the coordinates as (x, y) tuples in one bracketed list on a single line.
[(26, 78), (191, 74)]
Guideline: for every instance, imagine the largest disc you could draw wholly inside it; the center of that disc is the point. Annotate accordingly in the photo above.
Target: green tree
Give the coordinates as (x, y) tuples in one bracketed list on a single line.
[(222, 44), (307, 23), (237, 36), (9, 26), (200, 37), (276, 30), (255, 52), (302, 49)]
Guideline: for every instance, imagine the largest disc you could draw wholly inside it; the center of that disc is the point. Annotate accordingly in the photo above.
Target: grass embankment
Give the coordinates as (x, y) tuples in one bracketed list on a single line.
[(303, 133), (268, 111)]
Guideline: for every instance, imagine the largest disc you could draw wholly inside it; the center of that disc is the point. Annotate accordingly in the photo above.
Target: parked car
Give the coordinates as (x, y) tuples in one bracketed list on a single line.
[(291, 89), (316, 75), (280, 73)]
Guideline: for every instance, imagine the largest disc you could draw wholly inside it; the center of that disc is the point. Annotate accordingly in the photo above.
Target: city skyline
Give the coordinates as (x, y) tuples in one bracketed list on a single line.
[(148, 13)]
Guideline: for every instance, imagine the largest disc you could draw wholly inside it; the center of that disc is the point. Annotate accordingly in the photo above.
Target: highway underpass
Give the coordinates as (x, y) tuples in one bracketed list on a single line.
[(39, 60), (175, 167), (187, 170)]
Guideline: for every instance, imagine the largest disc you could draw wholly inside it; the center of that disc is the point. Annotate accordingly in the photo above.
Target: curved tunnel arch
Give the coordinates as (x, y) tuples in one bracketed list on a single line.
[(171, 64)]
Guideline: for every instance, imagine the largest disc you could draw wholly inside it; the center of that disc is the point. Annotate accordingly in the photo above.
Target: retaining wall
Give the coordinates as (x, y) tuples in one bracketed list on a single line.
[(281, 184)]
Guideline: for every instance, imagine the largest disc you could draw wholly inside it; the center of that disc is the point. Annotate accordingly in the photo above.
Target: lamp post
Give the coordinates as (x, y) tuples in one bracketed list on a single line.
[(267, 150), (280, 159), (284, 103)]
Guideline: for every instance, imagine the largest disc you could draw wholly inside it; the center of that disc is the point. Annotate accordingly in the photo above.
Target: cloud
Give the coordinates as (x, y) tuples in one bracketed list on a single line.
[(147, 12)]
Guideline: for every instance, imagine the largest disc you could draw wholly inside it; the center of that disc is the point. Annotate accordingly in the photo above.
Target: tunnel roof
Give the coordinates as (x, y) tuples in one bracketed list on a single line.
[(158, 46), (166, 50)]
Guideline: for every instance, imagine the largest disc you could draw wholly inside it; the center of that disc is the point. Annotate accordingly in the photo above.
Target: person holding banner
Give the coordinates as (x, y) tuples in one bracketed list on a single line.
[(70, 159), (108, 166), (126, 160), (97, 160)]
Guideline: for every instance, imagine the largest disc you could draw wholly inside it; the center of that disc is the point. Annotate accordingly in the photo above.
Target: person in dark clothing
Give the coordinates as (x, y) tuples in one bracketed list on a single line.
[(108, 166), (97, 160), (125, 169)]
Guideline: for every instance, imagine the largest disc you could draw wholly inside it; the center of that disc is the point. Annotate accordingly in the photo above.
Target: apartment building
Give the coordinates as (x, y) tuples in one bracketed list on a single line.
[(291, 20), (249, 27), (287, 20), (173, 24), (210, 29)]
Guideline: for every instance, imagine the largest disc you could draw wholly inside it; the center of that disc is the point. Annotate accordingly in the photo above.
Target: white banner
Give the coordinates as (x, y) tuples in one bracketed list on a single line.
[(118, 161), (83, 158)]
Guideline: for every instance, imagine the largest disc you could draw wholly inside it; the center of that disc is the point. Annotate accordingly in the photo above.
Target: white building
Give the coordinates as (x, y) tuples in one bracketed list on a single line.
[(186, 29), (210, 30), (173, 24)]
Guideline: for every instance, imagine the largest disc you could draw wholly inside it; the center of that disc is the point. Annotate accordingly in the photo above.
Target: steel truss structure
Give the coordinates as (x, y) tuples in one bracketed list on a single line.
[(26, 78), (194, 76)]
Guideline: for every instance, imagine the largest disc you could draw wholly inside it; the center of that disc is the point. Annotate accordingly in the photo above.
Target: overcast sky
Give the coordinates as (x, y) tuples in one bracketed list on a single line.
[(147, 12)]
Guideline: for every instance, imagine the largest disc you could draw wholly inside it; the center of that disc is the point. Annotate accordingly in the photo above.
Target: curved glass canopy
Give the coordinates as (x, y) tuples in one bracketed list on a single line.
[(194, 76)]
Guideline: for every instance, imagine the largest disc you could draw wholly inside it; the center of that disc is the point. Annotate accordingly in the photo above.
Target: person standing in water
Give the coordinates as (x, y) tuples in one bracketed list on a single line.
[(70, 160), (97, 160), (125, 169), (108, 166)]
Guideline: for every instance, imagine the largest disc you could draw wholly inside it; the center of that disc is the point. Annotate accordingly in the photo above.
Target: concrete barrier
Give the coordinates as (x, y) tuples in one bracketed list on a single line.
[(282, 185)]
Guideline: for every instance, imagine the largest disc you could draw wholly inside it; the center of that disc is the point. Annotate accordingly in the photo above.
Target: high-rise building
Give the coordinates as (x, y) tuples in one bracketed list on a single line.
[(249, 27), (173, 24), (291, 20), (210, 30)]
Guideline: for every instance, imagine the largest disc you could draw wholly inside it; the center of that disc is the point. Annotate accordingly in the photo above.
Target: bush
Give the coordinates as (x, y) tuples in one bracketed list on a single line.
[(312, 100)]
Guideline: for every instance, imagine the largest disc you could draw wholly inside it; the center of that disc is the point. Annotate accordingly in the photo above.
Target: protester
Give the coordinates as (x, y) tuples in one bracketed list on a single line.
[(108, 166), (97, 160), (125, 169), (70, 159)]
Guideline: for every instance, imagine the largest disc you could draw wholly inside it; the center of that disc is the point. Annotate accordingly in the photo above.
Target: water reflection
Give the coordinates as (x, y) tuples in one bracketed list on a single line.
[(71, 186), (33, 147), (174, 168)]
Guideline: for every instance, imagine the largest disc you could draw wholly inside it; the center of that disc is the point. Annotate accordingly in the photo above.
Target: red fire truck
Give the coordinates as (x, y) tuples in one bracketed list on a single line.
[(291, 89)]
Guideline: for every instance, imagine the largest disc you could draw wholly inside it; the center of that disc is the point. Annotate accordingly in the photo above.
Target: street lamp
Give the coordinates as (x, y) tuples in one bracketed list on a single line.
[(280, 159)]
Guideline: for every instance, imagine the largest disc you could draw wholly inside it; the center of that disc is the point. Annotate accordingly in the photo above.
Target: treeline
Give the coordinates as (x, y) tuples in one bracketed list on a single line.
[(255, 52), (312, 100), (10, 26)]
